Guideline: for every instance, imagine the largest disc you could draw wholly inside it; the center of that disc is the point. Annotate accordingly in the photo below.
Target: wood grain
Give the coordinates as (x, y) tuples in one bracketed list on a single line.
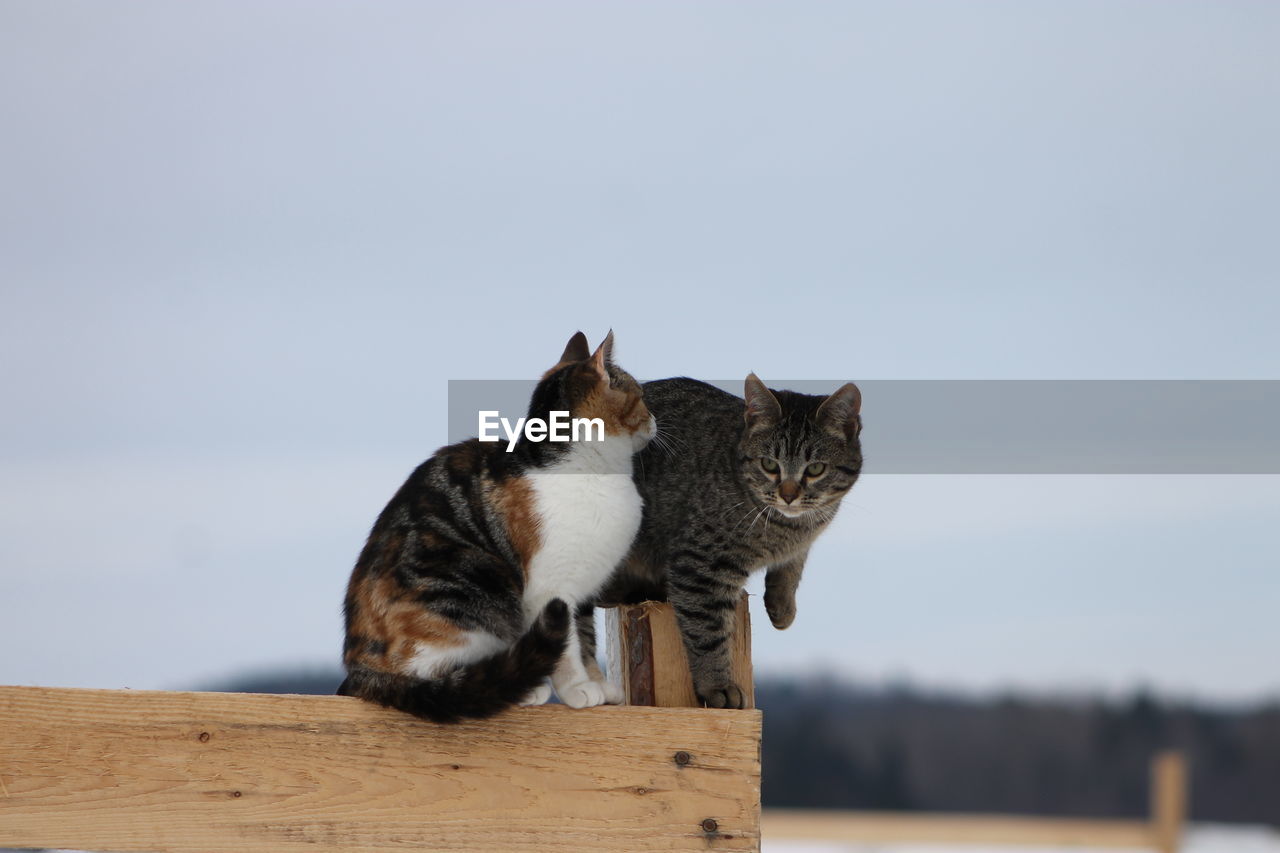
[(647, 656), (211, 772)]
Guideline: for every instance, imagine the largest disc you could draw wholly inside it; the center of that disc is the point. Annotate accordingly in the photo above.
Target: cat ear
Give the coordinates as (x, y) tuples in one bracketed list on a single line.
[(840, 414), (762, 407), (607, 346), (577, 349), (600, 357)]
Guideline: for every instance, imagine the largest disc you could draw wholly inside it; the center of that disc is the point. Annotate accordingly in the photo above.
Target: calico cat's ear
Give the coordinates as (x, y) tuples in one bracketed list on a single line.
[(762, 407), (840, 414), (600, 357), (577, 349), (607, 346), (603, 354)]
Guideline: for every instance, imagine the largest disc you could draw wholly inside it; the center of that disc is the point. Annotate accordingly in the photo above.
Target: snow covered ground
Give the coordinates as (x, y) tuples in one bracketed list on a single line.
[(1200, 838)]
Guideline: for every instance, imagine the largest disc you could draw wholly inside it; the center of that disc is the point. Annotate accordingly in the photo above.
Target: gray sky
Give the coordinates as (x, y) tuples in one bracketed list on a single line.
[(244, 246)]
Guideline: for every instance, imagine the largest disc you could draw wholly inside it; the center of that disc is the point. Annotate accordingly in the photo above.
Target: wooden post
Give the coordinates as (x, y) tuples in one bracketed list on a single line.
[(1168, 800), (647, 656)]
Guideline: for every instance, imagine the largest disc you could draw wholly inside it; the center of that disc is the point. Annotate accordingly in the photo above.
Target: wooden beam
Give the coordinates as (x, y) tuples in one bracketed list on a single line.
[(647, 656), (647, 659), (888, 827), (213, 772), (1163, 832)]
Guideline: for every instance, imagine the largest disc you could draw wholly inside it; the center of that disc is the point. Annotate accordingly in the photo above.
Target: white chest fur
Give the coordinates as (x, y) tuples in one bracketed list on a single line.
[(589, 512)]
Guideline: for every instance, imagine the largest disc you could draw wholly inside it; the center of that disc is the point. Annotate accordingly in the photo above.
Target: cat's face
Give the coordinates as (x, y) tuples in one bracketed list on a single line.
[(800, 453), (598, 388)]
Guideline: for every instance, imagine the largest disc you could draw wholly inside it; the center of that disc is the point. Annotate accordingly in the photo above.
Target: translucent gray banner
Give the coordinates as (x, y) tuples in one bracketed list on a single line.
[(1016, 426)]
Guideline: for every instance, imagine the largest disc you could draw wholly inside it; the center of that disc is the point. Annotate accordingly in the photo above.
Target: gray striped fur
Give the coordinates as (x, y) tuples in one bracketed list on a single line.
[(713, 512)]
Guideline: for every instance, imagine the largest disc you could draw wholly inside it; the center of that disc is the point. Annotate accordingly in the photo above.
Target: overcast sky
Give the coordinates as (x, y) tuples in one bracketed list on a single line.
[(244, 246)]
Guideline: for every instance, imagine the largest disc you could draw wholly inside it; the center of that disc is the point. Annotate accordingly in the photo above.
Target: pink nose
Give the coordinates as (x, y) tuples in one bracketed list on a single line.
[(789, 491)]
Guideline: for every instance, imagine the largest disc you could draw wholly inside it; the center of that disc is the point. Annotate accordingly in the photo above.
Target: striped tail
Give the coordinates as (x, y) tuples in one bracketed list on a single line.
[(476, 690)]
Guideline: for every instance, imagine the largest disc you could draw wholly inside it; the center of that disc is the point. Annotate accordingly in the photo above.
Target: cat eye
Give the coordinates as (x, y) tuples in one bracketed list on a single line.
[(815, 469), (770, 465)]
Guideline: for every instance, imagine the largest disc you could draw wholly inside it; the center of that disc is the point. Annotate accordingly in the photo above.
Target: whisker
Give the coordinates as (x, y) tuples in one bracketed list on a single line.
[(749, 514), (728, 510), (764, 510), (668, 439)]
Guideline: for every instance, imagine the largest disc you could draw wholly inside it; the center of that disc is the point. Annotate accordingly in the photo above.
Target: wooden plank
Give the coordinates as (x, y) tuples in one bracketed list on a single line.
[(647, 656), (1168, 800), (887, 828), (212, 772)]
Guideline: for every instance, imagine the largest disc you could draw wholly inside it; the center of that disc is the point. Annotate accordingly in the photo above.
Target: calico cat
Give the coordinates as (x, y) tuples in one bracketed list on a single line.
[(459, 603), (731, 486)]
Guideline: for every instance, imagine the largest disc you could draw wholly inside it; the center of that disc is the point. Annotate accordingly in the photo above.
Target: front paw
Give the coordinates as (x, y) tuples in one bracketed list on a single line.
[(728, 695), (588, 694), (538, 695), (781, 607)]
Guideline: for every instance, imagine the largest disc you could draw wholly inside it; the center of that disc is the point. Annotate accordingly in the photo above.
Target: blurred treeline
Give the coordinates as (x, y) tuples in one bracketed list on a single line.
[(838, 746), (828, 745)]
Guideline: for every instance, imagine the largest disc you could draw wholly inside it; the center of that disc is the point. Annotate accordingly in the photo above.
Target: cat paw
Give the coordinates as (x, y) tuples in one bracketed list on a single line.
[(781, 609), (584, 694), (724, 696), (538, 695)]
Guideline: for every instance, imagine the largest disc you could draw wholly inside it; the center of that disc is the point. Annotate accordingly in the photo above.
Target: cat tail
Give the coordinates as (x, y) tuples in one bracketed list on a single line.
[(475, 690)]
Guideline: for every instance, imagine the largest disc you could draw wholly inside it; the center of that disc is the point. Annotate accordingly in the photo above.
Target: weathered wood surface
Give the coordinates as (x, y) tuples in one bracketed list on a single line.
[(210, 772), (647, 656), (889, 828)]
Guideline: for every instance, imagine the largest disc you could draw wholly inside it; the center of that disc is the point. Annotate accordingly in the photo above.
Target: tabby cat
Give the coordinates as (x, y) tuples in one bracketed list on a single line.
[(729, 487), (459, 603)]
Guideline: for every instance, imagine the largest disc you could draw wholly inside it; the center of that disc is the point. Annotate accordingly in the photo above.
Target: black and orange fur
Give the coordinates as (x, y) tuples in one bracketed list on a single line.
[(450, 552)]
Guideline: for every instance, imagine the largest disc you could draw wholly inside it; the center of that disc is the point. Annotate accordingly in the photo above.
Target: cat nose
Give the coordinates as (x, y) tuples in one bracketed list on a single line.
[(789, 490)]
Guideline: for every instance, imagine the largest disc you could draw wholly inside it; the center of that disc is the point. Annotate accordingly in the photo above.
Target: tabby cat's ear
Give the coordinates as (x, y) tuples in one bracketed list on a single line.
[(840, 414), (577, 349), (762, 407)]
